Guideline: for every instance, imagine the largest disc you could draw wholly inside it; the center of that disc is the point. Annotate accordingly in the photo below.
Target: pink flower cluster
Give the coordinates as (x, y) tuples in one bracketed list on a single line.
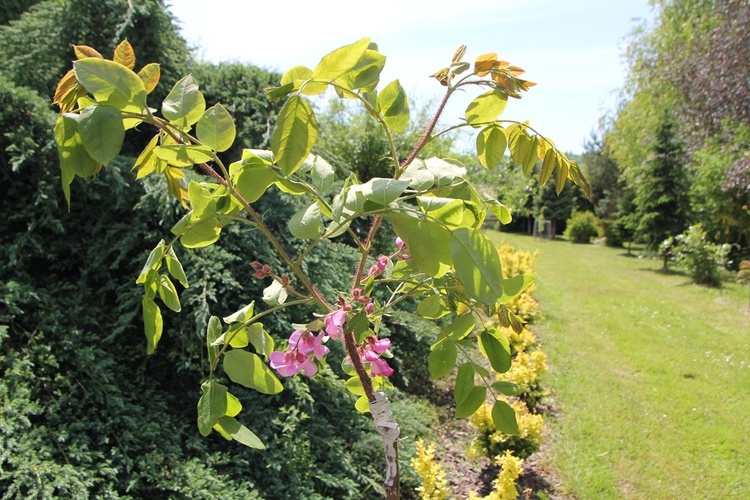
[(380, 266), (306, 349)]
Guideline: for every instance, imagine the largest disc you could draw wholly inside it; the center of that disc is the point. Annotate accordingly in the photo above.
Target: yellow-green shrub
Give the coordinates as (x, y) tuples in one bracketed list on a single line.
[(504, 485), (434, 484), (515, 262), (525, 370)]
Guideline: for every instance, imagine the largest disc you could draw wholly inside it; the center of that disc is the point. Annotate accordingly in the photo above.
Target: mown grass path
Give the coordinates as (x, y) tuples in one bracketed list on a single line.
[(650, 375)]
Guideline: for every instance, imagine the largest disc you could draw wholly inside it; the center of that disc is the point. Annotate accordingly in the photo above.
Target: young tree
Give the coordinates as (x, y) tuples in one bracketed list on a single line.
[(441, 255), (661, 192)]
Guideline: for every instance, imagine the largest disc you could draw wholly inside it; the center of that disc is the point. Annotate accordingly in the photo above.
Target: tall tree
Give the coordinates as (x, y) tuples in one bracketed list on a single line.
[(661, 191), (603, 175)]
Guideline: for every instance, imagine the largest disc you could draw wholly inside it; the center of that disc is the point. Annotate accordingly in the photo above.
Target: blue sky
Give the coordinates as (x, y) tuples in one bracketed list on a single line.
[(573, 50)]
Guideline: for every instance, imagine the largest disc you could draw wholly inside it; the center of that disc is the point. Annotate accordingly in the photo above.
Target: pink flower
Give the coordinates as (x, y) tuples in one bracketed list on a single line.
[(380, 345), (383, 262), (380, 367), (368, 308), (284, 362), (399, 242), (334, 323)]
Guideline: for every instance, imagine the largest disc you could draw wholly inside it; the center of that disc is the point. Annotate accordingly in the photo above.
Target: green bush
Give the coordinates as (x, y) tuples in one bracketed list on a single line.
[(613, 233), (581, 227), (702, 259)]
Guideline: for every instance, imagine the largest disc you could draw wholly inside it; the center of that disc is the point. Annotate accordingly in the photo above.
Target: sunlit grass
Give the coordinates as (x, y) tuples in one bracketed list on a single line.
[(650, 375)]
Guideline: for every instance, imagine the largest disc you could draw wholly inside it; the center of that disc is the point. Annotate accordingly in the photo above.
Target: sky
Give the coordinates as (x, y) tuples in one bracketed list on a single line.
[(572, 49)]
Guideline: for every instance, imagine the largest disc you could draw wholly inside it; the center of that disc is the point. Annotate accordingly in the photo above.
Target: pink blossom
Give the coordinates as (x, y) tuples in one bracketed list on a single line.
[(284, 362), (383, 262), (334, 323), (399, 242), (380, 345), (380, 367), (368, 308)]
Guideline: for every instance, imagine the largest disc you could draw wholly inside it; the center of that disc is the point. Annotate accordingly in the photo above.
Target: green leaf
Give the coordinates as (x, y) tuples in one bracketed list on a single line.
[(362, 405), (524, 149), (504, 418), (213, 332), (486, 108), (442, 358), (242, 315), (379, 192), (460, 327), (477, 264), (513, 287), (340, 61), (306, 222), (419, 177), (562, 174), (501, 211), (201, 233), (248, 370), (111, 84), (153, 324), (497, 353), (321, 171), (354, 385), (507, 388), (295, 134), (548, 165), (175, 268), (491, 144), (216, 128), (393, 105), (365, 75), (239, 433), (444, 172), (74, 159), (359, 325), (253, 181), (233, 405), (464, 382), (260, 339), (102, 132), (185, 104), (168, 293), (428, 242), (211, 406), (181, 155), (153, 263), (473, 401), (433, 307)]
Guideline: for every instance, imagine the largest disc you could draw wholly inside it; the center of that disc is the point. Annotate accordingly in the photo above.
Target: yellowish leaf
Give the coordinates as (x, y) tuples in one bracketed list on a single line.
[(515, 70), (84, 52), (67, 84), (485, 63), (125, 55), (150, 75), (459, 54)]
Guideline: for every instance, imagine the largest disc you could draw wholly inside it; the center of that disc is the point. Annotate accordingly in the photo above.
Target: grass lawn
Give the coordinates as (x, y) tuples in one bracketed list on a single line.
[(650, 375)]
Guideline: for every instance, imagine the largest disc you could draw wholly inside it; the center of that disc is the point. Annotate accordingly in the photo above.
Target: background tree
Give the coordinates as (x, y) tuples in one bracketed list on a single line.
[(661, 192)]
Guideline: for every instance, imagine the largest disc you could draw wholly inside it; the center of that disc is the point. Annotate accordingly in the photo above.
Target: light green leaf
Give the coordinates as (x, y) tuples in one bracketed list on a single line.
[(175, 268), (216, 128), (418, 176), (102, 132), (297, 73), (362, 405), (524, 149), (242, 315), (513, 287), (464, 382), (233, 405), (379, 192), (253, 181), (340, 61), (486, 108), (201, 233), (232, 428), (321, 171), (501, 211), (444, 172), (477, 264), (149, 75), (497, 353), (460, 327), (393, 105), (295, 134), (181, 155), (260, 339), (153, 263), (354, 385), (306, 223), (111, 84), (433, 307), (548, 165), (185, 104), (562, 174), (507, 388), (168, 293), (74, 159), (153, 324), (211, 406), (274, 294), (442, 358), (504, 418), (473, 401), (491, 144), (429, 244), (248, 370), (449, 211), (365, 75), (213, 332)]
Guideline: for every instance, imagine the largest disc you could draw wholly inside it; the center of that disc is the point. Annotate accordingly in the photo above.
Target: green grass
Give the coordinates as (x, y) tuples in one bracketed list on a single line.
[(650, 375)]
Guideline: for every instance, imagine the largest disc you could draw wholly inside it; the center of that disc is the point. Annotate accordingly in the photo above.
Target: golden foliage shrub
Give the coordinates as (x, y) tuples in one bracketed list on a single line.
[(434, 483)]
